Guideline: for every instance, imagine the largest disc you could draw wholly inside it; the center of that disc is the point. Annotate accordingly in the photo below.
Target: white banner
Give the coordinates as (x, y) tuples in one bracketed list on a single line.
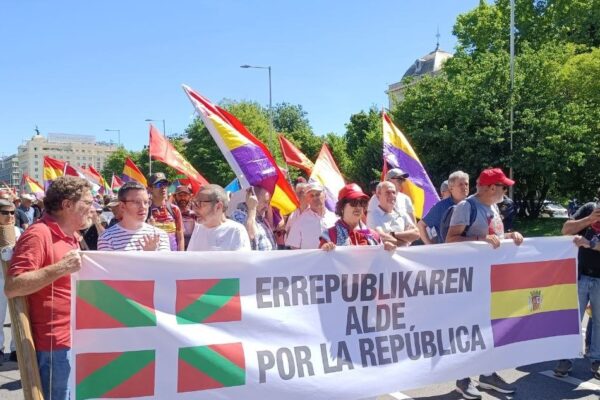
[(347, 324)]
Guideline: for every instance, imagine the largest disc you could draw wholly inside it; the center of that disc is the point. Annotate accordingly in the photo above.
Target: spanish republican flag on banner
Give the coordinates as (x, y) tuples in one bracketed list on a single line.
[(131, 172), (398, 153), (162, 150), (533, 300), (250, 159), (293, 156), (53, 168)]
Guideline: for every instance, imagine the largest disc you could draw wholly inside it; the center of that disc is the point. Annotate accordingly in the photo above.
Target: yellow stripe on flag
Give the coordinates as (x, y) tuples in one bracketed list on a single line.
[(417, 195), (282, 201), (231, 137), (519, 303)]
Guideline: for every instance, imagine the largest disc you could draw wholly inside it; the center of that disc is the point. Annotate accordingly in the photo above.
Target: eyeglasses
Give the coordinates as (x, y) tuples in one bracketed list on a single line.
[(142, 203), (198, 203), (7, 212), (358, 203), (161, 184)]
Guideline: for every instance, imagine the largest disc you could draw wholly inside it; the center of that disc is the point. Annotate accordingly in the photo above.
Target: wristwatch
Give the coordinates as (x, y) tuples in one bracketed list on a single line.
[(594, 242)]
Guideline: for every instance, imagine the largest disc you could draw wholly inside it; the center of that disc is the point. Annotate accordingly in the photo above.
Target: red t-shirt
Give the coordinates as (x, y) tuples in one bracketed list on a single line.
[(41, 245)]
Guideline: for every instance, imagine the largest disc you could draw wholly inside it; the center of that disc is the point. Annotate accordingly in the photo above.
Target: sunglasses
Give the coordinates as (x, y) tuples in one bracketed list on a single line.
[(161, 184), (358, 203), (7, 212)]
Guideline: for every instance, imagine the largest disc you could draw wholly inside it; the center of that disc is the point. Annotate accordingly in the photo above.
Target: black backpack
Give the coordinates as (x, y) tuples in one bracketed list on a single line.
[(445, 223)]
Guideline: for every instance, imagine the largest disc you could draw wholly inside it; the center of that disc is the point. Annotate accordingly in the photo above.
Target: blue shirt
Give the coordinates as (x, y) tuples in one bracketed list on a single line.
[(433, 219)]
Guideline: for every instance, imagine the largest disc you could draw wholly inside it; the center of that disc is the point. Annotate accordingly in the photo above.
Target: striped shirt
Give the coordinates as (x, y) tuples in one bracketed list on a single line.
[(117, 238)]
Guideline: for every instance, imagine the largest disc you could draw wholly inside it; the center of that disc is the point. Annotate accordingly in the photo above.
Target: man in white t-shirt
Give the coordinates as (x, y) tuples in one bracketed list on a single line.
[(387, 221), (404, 204), (132, 233), (303, 200), (308, 227), (212, 230)]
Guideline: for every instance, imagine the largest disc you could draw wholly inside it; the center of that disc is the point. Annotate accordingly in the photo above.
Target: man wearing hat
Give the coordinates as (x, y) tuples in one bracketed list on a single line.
[(182, 197), (164, 215), (306, 229), (32, 213), (487, 226), (404, 204)]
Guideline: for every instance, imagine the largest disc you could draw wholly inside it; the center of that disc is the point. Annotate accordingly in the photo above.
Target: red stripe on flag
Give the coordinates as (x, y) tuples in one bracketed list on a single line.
[(532, 274), (231, 311), (90, 317), (141, 292), (140, 384), (89, 363), (189, 291), (190, 379), (232, 351)]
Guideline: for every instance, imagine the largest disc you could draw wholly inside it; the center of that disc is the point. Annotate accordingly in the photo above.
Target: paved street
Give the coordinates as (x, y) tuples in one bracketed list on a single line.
[(534, 382)]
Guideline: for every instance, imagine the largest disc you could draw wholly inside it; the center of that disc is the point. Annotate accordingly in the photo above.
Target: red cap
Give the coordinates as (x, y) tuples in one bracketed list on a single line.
[(492, 176), (352, 191)]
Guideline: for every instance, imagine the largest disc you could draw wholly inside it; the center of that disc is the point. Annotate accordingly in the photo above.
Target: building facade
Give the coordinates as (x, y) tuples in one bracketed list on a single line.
[(78, 150), (429, 64), (10, 174)]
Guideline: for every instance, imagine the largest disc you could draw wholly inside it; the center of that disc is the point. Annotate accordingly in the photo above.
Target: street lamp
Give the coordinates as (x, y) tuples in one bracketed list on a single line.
[(164, 133), (158, 120), (118, 134), (272, 138)]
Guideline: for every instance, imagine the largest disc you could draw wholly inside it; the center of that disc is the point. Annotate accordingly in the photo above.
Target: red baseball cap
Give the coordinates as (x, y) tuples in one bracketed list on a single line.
[(492, 176), (352, 191)]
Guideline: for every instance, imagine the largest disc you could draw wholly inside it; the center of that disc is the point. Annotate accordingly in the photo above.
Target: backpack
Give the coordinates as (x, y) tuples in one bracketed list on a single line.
[(445, 223)]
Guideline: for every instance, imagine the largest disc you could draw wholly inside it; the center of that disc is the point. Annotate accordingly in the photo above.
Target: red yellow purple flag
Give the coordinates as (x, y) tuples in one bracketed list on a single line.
[(53, 168), (249, 158), (398, 152), (131, 172)]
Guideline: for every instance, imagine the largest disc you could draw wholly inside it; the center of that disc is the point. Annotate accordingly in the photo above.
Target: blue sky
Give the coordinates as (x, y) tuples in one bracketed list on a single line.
[(81, 67)]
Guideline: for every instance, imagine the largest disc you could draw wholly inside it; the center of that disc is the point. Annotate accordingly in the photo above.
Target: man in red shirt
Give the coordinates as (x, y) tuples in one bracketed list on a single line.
[(44, 257)]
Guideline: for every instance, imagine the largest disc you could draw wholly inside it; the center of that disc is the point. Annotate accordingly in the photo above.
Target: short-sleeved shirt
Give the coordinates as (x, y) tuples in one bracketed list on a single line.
[(169, 223), (403, 205), (21, 218), (230, 235), (433, 219), (263, 237), (487, 222), (308, 227), (117, 238), (41, 245), (389, 222), (588, 259)]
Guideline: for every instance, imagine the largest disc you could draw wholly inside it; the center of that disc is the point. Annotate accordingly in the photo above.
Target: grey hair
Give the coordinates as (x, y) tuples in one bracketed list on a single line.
[(382, 185), (215, 193), (457, 176)]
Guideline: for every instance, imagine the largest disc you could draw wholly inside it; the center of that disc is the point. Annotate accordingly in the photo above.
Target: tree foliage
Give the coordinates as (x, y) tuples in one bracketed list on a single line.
[(459, 119)]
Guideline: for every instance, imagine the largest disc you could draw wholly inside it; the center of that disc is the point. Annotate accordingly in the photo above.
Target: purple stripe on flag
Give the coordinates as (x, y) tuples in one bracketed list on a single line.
[(255, 165), (536, 326), (399, 159)]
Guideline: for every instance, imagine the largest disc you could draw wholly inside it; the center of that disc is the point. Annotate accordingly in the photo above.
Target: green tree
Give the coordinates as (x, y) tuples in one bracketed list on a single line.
[(364, 146)]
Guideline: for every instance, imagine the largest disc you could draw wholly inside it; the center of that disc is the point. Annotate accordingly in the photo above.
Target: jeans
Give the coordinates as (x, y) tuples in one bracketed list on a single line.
[(55, 365), (588, 289), (3, 309)]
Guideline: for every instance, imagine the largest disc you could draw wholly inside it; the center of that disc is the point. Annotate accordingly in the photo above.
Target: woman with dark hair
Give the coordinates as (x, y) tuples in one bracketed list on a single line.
[(350, 229)]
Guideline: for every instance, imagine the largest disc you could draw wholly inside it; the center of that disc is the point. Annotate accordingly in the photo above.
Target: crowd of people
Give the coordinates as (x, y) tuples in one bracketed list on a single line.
[(69, 218)]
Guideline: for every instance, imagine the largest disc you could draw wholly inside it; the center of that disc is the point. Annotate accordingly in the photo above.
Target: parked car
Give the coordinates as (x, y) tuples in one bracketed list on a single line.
[(551, 209)]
